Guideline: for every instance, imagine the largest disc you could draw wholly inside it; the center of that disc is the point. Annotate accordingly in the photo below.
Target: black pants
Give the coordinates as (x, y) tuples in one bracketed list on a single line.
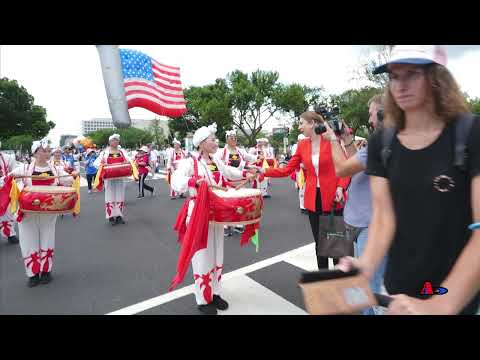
[(142, 186), (314, 217), (90, 180)]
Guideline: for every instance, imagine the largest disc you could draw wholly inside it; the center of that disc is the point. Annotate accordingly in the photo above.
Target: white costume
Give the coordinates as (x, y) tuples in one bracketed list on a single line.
[(37, 231), (301, 191), (207, 263), (114, 189), (7, 222), (172, 164), (268, 154)]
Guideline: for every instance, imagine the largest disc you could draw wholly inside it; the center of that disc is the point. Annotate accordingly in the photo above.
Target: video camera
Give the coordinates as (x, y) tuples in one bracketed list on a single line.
[(332, 116)]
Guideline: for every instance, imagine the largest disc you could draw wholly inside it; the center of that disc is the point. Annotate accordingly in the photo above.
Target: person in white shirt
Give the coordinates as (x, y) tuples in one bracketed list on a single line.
[(175, 156)]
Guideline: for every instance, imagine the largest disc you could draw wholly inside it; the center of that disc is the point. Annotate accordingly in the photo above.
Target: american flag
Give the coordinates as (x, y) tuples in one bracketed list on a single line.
[(151, 85)]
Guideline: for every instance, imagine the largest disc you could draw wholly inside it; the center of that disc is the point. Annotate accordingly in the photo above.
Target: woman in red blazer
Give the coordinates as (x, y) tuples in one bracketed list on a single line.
[(322, 186)]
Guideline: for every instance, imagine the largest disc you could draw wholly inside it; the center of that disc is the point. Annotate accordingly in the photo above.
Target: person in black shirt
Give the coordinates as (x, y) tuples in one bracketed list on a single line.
[(422, 203)]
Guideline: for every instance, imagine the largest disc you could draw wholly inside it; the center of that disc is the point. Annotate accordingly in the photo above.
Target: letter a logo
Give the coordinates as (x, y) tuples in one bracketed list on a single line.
[(427, 288)]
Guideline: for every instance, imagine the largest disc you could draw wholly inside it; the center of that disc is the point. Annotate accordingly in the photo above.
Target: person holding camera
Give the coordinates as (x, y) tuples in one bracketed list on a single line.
[(358, 208), (323, 188), (425, 182)]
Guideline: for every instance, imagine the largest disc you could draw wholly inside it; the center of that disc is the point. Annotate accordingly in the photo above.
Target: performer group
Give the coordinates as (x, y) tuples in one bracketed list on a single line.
[(35, 194)]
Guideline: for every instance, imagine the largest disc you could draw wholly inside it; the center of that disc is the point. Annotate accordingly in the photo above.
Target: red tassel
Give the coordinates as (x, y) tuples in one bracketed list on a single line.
[(196, 235), (5, 195)]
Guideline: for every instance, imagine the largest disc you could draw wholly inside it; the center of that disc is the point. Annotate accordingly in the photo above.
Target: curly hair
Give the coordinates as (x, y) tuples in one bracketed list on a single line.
[(447, 99)]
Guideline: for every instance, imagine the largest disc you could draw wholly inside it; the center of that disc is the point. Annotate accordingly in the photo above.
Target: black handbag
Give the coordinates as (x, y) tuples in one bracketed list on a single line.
[(333, 241)]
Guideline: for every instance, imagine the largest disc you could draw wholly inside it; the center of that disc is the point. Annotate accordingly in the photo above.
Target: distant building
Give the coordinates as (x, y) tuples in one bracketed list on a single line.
[(66, 139), (95, 124)]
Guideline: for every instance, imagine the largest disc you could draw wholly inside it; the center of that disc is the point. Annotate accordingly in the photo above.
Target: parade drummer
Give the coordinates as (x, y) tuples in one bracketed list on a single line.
[(195, 174), (114, 188), (174, 157), (37, 230), (7, 220), (262, 154), (233, 156)]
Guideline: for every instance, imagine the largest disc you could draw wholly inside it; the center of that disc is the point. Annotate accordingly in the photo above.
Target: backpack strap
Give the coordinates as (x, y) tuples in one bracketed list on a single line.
[(463, 124), (388, 134)]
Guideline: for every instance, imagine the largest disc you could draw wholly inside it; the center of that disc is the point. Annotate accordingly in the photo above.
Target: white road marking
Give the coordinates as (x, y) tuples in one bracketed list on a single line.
[(162, 299)]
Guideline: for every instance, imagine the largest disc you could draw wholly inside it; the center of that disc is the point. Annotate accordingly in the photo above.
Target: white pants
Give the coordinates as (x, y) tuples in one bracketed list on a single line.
[(7, 225), (301, 197), (37, 242), (207, 264), (114, 197)]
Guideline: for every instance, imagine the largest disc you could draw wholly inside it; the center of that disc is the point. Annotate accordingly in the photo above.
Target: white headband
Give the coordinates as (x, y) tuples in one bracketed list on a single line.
[(175, 141), (40, 143), (203, 133), (114, 136), (230, 133)]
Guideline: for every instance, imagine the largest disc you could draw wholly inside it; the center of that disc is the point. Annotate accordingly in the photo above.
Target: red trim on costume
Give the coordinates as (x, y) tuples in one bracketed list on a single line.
[(207, 292), (49, 255), (108, 208), (6, 228), (34, 262), (192, 182)]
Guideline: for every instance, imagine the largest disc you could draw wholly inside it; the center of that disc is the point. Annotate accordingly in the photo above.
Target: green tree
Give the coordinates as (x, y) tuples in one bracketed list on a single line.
[(375, 56), (18, 113), (130, 138), (22, 143), (353, 106), (473, 103), (157, 132)]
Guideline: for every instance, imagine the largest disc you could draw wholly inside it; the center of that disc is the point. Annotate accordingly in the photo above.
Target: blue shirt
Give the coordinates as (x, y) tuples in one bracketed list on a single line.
[(69, 159), (89, 168), (358, 209)]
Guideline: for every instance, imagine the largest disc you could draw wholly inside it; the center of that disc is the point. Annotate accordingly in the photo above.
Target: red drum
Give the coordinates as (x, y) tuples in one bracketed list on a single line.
[(116, 171), (236, 207), (43, 199)]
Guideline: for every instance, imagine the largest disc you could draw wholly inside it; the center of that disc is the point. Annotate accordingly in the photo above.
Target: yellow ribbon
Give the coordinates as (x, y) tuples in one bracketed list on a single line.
[(14, 194), (265, 164), (97, 178), (76, 186), (301, 179), (134, 170)]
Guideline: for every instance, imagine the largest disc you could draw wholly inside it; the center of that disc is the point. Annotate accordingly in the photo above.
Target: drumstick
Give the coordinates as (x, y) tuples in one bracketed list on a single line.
[(218, 187), (38, 177), (243, 183)]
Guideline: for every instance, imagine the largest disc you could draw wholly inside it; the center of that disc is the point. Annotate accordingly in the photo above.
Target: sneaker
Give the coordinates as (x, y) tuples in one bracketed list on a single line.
[(227, 233), (89, 191), (238, 229), (112, 221), (33, 281), (219, 303), (208, 309), (140, 196), (267, 196), (120, 220), (45, 278), (173, 198), (12, 239)]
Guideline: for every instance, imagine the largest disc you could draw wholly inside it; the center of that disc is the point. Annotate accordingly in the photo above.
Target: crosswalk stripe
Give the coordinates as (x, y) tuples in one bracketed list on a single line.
[(162, 299)]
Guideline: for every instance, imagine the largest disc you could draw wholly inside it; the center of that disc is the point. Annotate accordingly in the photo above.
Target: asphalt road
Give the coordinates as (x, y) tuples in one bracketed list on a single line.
[(99, 268)]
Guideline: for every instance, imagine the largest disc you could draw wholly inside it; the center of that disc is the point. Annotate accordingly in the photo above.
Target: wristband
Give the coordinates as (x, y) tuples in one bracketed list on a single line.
[(474, 226)]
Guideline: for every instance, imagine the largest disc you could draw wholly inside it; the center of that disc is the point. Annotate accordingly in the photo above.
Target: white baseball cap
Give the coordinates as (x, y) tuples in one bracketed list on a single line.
[(416, 55)]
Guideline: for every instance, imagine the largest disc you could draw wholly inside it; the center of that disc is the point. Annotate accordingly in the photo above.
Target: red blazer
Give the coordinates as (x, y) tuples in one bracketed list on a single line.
[(328, 180)]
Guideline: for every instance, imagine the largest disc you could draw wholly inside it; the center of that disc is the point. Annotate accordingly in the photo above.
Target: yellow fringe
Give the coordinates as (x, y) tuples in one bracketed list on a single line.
[(76, 186), (14, 194)]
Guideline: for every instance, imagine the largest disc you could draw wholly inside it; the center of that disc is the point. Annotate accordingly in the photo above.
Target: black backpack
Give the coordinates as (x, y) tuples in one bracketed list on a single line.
[(462, 129)]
